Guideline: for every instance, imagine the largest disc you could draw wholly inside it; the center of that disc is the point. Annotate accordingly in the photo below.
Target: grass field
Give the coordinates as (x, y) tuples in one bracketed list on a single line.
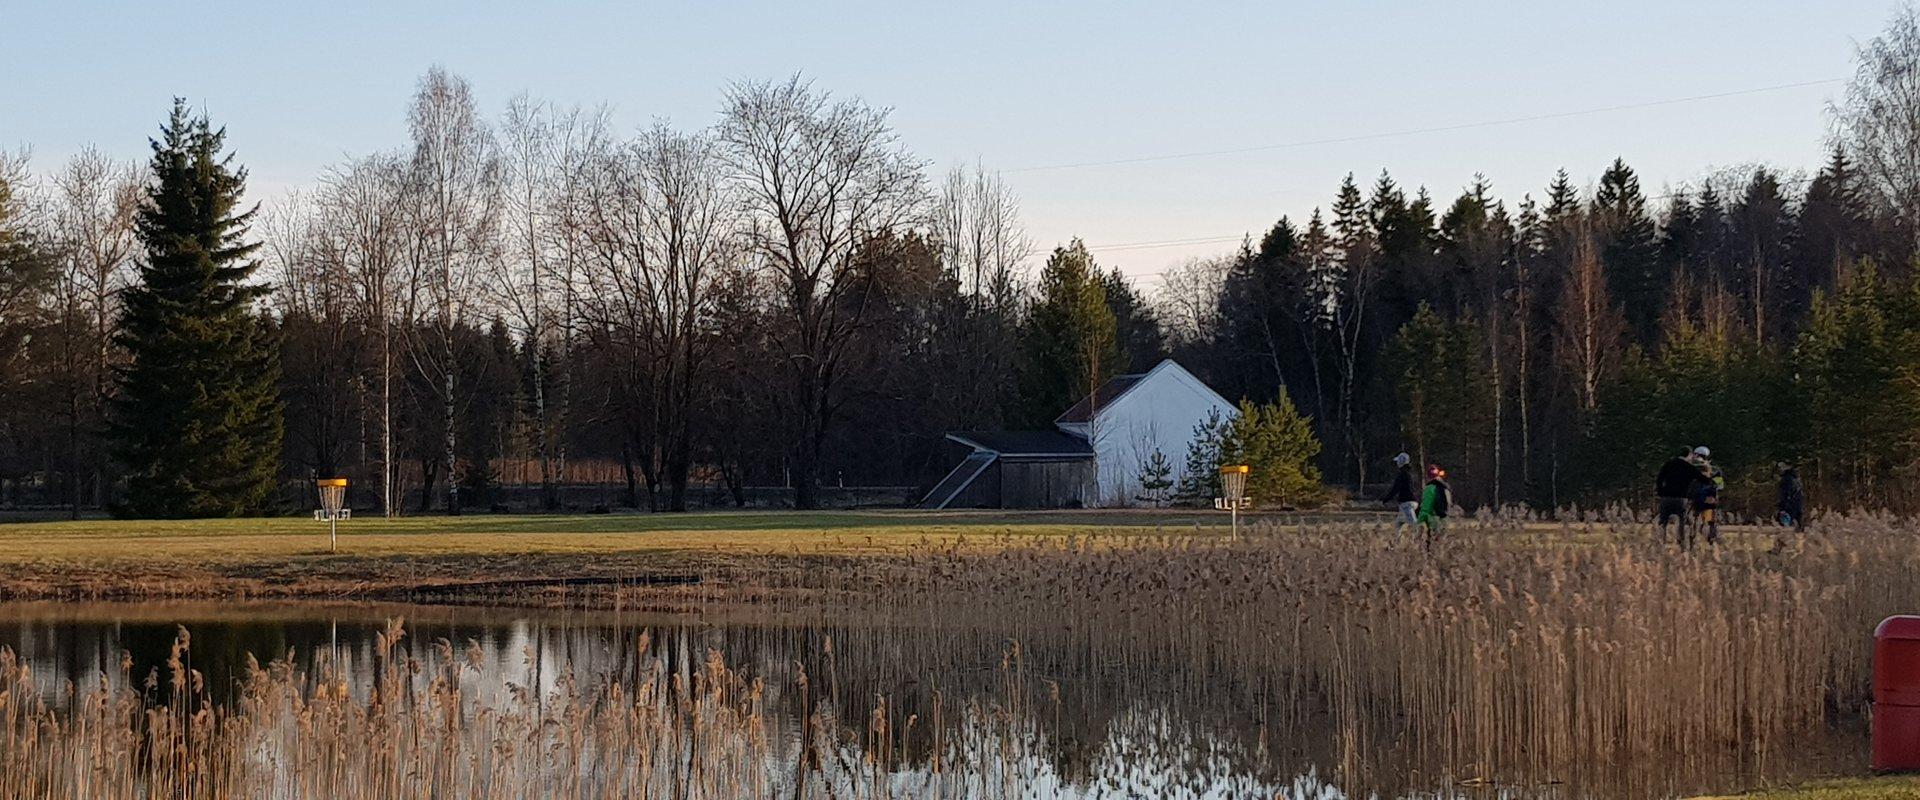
[(287, 557), (383, 558)]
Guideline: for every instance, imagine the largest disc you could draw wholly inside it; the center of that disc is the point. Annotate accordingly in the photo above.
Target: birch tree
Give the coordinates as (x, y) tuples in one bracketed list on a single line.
[(1876, 123), (1592, 330), (454, 181), (362, 207), (521, 285)]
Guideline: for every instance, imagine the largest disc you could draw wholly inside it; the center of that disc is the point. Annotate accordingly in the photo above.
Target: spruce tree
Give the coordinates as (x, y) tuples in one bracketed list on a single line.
[(1070, 344), (1629, 250), (1834, 225), (197, 422)]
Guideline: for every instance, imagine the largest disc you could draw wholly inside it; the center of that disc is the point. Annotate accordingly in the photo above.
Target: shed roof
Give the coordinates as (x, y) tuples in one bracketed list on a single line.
[(1025, 443), (1101, 398)]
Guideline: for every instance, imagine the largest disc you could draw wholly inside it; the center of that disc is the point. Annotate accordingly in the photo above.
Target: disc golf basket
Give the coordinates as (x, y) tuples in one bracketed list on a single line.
[(1233, 485), (333, 507)]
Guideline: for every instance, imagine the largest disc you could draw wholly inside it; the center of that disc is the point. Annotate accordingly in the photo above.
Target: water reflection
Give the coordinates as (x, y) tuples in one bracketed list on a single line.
[(1080, 730)]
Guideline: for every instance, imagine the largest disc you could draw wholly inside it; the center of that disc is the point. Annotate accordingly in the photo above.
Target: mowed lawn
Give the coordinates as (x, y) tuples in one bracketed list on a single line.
[(230, 541)]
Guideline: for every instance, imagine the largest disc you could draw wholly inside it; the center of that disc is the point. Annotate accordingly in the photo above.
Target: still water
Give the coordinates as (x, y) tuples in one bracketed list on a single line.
[(1087, 734)]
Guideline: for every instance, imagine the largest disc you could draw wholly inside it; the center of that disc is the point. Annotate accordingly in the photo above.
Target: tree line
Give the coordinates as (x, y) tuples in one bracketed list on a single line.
[(788, 297), (1554, 351)]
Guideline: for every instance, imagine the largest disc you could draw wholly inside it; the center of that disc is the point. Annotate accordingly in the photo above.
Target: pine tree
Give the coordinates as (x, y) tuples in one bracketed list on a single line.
[(1070, 341), (1761, 227), (1629, 250), (1137, 328), (1200, 481), (1563, 200), (1278, 446), (197, 422), (1156, 478), (1833, 223)]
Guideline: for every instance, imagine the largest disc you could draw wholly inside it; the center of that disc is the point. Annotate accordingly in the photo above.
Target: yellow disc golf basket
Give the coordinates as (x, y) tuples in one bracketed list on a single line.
[(333, 507), (1233, 487)]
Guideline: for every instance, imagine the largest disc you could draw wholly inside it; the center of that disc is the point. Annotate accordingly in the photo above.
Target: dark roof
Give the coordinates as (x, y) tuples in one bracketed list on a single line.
[(1101, 398), (1024, 443)]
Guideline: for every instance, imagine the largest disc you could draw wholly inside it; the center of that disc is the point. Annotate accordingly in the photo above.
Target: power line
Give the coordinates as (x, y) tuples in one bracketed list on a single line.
[(1420, 131), (1166, 242)]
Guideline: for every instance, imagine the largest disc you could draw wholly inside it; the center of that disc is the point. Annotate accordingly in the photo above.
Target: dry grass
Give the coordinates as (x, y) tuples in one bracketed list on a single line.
[(1892, 788), (1509, 655)]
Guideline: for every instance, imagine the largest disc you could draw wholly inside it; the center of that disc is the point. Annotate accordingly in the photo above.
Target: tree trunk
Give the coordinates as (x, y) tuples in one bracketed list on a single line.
[(626, 468), (388, 470), (452, 453)]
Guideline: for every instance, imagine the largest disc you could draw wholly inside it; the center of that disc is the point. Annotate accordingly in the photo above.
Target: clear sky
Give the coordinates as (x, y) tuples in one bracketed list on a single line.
[(1015, 85)]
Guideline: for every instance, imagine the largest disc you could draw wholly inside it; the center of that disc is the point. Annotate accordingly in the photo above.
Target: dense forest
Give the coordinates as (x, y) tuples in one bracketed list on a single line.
[(791, 298)]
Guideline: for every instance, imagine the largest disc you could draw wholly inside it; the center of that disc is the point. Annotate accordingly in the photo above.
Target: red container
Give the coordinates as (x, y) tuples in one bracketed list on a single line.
[(1896, 694)]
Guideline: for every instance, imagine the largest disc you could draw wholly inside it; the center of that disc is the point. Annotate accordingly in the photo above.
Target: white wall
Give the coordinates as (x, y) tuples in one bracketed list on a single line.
[(1159, 412)]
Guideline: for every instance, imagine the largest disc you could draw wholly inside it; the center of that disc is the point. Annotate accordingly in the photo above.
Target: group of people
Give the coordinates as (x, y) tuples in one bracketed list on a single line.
[(1426, 510), (1688, 489)]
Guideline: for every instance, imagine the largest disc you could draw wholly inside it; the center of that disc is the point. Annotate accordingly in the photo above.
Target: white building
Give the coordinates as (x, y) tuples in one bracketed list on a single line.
[(1094, 458)]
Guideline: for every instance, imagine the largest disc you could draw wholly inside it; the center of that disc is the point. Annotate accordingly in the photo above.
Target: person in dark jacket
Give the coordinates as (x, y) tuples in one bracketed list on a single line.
[(1402, 493), (1793, 498), (1679, 479)]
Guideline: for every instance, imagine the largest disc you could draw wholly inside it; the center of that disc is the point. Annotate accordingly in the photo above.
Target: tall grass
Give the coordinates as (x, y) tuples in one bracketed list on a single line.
[(1586, 661)]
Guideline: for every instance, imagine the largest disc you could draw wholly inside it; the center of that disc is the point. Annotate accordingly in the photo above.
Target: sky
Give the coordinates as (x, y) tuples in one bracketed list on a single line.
[(1427, 91)]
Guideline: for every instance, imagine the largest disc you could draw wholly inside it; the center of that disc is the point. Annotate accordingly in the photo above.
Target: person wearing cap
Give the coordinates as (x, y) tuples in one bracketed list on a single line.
[(1402, 493), (1435, 502)]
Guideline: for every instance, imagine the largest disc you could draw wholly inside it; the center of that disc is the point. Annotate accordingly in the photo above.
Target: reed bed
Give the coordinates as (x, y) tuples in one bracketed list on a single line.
[(1586, 661)]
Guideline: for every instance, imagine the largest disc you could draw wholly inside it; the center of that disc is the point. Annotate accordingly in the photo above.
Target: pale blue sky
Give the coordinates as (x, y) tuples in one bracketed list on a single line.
[(1016, 85)]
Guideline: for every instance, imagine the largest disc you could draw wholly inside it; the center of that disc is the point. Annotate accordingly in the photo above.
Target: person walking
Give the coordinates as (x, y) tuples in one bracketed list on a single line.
[(1792, 499), (1435, 503), (1672, 487), (1706, 494), (1402, 494)]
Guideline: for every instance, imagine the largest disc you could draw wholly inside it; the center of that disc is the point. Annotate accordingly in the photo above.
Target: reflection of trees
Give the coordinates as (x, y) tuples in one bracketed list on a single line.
[(1067, 711)]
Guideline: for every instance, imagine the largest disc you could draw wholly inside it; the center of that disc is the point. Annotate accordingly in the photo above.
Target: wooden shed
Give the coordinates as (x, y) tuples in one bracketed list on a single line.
[(1016, 469)]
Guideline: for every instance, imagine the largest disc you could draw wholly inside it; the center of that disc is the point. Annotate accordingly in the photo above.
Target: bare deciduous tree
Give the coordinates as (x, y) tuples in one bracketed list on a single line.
[(362, 211), (1877, 125), (977, 223), (1189, 297), (1592, 330), (661, 225), (454, 182), (93, 208), (520, 283), (819, 180)]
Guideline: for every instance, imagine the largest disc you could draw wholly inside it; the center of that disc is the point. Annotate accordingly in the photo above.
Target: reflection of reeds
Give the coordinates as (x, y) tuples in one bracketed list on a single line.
[(1570, 655), (1495, 655)]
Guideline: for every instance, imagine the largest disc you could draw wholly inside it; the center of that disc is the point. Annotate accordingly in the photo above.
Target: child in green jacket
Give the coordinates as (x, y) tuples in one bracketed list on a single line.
[(1435, 501)]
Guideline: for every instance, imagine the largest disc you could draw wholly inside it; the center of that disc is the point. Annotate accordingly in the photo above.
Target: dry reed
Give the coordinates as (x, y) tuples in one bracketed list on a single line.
[(1583, 662)]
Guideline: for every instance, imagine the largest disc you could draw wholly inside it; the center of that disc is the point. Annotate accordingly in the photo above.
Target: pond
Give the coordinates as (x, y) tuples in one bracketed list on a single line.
[(784, 710)]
